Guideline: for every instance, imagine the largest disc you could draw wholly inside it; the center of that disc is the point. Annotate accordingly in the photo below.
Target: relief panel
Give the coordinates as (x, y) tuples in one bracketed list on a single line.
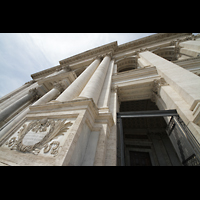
[(40, 136)]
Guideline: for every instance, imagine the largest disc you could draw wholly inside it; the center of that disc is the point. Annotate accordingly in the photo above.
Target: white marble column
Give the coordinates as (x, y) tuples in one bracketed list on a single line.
[(106, 89), (14, 106), (55, 91), (44, 99), (94, 85), (15, 97), (184, 82), (76, 87)]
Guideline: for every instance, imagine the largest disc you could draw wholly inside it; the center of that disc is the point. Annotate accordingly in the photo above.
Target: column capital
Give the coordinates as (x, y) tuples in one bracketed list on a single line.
[(140, 51), (32, 91), (157, 83), (109, 54), (99, 57), (66, 68), (59, 86), (114, 88), (35, 93), (191, 37)]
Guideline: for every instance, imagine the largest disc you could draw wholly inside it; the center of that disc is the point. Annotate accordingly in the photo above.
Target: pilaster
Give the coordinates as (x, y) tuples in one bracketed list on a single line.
[(184, 82)]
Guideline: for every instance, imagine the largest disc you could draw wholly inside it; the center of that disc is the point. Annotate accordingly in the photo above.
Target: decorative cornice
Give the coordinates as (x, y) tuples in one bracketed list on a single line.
[(45, 72), (136, 45), (148, 40), (91, 53), (66, 68)]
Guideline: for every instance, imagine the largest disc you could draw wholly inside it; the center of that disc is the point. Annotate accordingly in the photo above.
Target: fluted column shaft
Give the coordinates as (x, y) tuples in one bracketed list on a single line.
[(76, 87), (94, 85), (44, 99)]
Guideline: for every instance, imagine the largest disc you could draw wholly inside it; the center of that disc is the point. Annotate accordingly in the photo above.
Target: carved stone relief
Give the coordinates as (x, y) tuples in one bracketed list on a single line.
[(36, 135), (157, 83)]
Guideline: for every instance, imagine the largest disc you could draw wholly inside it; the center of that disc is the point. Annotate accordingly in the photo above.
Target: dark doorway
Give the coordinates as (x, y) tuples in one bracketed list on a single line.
[(145, 141), (139, 158)]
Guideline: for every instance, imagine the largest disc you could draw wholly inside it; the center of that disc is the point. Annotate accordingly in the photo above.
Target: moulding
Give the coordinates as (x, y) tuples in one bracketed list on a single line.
[(148, 40), (90, 53), (134, 74), (113, 48)]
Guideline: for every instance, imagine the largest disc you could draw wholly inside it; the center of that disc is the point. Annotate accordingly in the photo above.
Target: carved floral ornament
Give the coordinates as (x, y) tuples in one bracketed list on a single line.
[(114, 88), (35, 93), (37, 134), (157, 83)]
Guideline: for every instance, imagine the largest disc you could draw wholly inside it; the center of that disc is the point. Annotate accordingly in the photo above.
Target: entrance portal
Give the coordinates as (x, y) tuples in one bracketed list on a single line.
[(145, 141), (139, 158)]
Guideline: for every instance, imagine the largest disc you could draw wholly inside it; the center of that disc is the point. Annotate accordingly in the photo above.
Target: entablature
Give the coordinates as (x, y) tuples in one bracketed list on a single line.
[(191, 64), (149, 40), (133, 75), (66, 78), (90, 53), (152, 45), (136, 90), (128, 49)]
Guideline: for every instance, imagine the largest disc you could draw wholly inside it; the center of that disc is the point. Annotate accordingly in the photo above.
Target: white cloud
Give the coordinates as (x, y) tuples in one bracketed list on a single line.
[(19, 58), (22, 54)]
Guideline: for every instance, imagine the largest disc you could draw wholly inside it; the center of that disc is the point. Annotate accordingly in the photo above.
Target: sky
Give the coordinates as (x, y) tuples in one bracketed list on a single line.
[(22, 54)]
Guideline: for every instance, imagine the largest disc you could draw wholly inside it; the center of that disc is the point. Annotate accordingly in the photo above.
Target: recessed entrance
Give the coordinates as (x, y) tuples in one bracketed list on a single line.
[(139, 158), (145, 141)]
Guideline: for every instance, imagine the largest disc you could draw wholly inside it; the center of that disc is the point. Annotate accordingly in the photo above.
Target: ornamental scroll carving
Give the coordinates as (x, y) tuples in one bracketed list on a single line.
[(37, 134), (157, 83)]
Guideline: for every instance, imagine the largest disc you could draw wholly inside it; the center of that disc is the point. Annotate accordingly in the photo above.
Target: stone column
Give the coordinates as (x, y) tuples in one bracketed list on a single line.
[(115, 69), (94, 85), (76, 87), (44, 99), (10, 109), (184, 82), (55, 91), (106, 89), (15, 97)]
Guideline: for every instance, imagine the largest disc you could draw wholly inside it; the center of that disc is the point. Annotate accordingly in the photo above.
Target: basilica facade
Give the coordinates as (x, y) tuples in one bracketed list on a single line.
[(135, 104)]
